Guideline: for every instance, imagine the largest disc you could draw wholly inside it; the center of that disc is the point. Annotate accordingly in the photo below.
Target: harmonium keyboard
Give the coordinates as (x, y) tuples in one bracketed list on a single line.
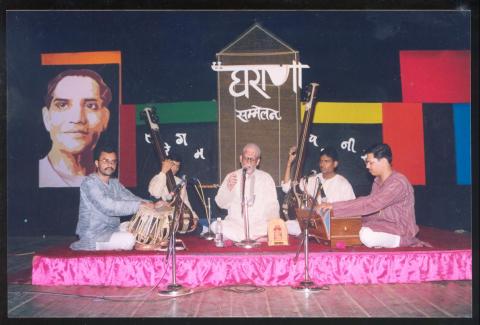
[(330, 230)]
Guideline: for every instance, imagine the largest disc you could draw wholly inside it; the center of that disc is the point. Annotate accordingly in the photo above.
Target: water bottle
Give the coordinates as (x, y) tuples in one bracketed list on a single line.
[(219, 233)]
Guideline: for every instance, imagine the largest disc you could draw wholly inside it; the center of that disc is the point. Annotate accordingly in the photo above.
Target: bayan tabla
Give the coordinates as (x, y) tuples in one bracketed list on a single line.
[(151, 226)]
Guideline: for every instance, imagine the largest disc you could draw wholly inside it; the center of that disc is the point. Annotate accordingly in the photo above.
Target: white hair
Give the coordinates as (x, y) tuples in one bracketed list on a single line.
[(253, 146)]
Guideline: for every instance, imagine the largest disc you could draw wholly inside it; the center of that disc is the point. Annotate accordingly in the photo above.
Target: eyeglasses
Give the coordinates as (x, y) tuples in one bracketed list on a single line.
[(249, 159), (108, 161)]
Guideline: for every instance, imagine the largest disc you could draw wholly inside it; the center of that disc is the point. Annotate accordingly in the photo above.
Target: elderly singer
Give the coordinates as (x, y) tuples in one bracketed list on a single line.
[(260, 193)]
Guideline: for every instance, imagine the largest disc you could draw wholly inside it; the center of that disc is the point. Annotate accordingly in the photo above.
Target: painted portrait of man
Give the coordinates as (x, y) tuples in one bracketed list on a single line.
[(75, 115)]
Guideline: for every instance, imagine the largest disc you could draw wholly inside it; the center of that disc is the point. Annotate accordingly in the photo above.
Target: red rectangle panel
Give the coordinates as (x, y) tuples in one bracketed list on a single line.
[(128, 146), (403, 131), (435, 76)]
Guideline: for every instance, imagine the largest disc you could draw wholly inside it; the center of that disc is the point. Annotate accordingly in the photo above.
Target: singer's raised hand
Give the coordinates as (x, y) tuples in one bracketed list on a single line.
[(231, 181)]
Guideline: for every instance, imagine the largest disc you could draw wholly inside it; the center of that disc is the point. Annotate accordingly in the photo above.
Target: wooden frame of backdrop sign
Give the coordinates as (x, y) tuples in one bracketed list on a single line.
[(277, 232)]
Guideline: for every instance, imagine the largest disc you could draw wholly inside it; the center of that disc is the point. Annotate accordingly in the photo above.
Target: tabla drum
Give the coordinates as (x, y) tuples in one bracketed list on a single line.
[(151, 226)]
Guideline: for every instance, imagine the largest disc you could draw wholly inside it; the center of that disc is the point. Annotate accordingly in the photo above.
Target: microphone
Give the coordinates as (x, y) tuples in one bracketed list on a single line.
[(183, 181), (244, 177), (175, 190), (194, 180), (322, 193), (312, 173)]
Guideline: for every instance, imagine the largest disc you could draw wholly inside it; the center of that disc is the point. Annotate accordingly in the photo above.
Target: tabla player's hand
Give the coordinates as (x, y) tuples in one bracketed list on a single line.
[(160, 204), (147, 204)]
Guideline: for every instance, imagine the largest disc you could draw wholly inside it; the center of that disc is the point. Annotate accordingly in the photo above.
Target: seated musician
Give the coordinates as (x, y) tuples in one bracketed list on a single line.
[(335, 186), (388, 212), (102, 201), (260, 193), (158, 184)]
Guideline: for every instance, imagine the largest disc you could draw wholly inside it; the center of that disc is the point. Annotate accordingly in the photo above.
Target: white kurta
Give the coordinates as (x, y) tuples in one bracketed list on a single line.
[(158, 189), (261, 192), (337, 188)]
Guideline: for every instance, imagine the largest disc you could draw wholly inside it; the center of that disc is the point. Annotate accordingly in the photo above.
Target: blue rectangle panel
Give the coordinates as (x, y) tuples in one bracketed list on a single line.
[(463, 155)]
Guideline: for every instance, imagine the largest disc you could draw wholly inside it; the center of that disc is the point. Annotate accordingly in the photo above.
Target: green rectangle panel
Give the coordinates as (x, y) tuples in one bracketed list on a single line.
[(181, 112)]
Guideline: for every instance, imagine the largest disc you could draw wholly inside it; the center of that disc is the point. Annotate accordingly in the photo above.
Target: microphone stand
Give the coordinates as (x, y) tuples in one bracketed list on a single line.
[(209, 235), (307, 285), (247, 242), (174, 289)]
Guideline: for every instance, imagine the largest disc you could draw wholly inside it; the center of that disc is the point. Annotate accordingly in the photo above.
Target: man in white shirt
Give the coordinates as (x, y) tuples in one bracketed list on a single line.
[(260, 193), (335, 186), (158, 184)]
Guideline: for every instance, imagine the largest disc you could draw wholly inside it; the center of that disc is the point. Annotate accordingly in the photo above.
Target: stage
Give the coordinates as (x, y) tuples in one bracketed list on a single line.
[(204, 265)]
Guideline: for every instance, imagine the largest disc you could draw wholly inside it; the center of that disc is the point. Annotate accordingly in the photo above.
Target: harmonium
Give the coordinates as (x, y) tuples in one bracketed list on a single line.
[(330, 230)]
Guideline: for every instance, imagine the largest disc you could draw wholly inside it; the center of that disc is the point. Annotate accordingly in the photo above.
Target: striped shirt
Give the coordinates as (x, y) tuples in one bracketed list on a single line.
[(390, 208)]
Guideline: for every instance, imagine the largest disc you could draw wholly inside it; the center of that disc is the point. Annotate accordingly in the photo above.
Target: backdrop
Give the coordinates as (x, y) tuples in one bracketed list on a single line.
[(400, 77)]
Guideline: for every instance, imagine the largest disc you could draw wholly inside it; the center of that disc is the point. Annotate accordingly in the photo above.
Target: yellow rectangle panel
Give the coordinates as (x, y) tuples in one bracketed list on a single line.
[(347, 113)]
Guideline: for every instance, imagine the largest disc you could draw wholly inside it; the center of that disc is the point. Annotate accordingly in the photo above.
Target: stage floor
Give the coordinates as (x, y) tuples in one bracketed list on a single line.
[(202, 264), (444, 299)]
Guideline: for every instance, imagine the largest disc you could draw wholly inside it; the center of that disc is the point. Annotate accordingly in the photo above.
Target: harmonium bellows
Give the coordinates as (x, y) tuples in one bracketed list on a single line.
[(331, 230)]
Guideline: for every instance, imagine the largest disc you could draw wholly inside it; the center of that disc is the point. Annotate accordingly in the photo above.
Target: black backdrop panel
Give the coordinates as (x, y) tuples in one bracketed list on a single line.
[(448, 207), (351, 165), (198, 136), (439, 144)]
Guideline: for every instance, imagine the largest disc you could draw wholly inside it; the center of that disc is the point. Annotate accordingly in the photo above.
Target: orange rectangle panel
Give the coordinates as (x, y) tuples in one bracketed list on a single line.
[(96, 57), (403, 131)]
